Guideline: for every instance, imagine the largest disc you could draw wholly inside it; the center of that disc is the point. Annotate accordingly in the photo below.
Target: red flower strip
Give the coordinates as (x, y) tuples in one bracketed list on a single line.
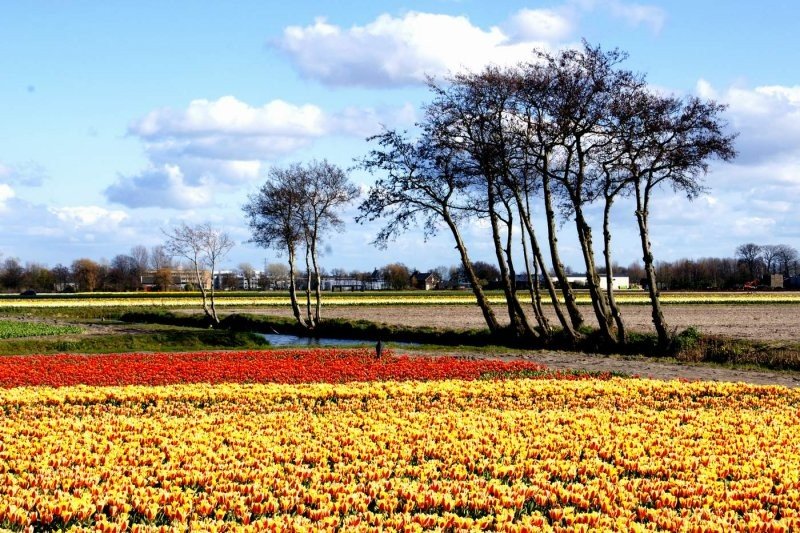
[(269, 366)]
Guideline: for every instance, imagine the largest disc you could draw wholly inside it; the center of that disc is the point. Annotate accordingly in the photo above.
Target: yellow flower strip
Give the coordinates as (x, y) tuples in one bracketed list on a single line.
[(519, 455), (378, 298)]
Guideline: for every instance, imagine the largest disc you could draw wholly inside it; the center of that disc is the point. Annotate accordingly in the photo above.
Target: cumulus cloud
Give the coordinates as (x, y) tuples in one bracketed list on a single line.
[(91, 216), (403, 50), (767, 117), (216, 145), (163, 186), (392, 51), (228, 115)]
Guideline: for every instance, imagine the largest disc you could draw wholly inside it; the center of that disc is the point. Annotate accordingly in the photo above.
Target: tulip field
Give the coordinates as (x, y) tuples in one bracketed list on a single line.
[(308, 440), (273, 300)]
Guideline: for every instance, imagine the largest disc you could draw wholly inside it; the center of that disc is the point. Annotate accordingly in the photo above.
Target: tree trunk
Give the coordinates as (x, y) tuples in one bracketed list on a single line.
[(318, 279), (615, 310), (649, 268), (293, 290), (539, 260), (309, 317), (512, 273), (533, 287), (211, 299), (203, 293), (599, 301), (558, 268), (516, 325), (480, 297)]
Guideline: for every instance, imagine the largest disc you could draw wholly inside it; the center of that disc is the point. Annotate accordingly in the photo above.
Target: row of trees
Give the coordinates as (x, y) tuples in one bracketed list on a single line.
[(123, 273), (551, 138), (764, 259)]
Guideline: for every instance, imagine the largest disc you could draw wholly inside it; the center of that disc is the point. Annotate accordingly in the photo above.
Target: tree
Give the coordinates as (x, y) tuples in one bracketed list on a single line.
[(786, 259), (749, 254), (123, 273), (203, 247), (87, 274), (38, 277), (469, 114), (421, 184), (666, 141), (273, 214), (325, 189), (248, 274), (296, 207), (397, 276), (159, 258), (277, 275), (12, 274), (62, 277)]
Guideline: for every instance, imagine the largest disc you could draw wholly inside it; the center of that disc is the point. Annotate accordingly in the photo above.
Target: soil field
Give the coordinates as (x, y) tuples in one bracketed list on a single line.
[(777, 322)]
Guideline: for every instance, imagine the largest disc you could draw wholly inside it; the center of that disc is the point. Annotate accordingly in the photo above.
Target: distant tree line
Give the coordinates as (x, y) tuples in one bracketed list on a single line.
[(545, 141)]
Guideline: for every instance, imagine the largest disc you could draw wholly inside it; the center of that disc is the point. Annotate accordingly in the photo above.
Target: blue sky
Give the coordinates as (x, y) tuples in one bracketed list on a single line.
[(121, 118)]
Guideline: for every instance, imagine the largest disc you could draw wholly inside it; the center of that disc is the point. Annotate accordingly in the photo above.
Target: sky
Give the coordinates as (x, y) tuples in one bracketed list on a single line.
[(119, 120)]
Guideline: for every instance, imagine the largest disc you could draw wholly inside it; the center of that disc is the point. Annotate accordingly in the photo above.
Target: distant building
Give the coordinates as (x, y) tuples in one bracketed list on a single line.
[(579, 281), (178, 279), (425, 280)]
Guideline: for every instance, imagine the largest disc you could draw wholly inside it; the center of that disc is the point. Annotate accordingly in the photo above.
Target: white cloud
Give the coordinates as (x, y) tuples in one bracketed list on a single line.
[(767, 119), (227, 115), (404, 50), (638, 14), (6, 193), (634, 14), (217, 145), (89, 216), (163, 186), (755, 228), (541, 24)]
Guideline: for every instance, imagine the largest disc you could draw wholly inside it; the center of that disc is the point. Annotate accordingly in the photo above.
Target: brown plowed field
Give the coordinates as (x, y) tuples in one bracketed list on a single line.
[(779, 322)]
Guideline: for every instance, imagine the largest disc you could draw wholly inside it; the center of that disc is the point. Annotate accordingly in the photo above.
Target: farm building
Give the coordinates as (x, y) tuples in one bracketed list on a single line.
[(425, 280), (580, 281)]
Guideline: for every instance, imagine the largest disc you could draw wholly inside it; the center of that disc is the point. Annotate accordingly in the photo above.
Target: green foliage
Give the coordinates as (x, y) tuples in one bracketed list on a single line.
[(687, 339), (10, 329), (152, 341)]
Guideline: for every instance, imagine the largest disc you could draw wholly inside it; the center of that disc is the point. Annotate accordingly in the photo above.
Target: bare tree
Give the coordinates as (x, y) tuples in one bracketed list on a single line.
[(159, 258), (203, 247), (296, 207), (325, 189), (749, 254), (421, 184), (248, 274), (667, 141), (786, 257)]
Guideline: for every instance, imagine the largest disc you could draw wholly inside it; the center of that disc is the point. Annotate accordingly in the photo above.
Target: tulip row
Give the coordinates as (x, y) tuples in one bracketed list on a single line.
[(259, 366), (380, 298), (516, 455)]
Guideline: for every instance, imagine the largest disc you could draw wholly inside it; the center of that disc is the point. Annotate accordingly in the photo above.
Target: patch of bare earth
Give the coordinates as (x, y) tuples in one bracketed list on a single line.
[(754, 322)]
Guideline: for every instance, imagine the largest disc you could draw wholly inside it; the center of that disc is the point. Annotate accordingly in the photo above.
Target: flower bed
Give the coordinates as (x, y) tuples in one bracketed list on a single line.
[(516, 455), (267, 366)]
